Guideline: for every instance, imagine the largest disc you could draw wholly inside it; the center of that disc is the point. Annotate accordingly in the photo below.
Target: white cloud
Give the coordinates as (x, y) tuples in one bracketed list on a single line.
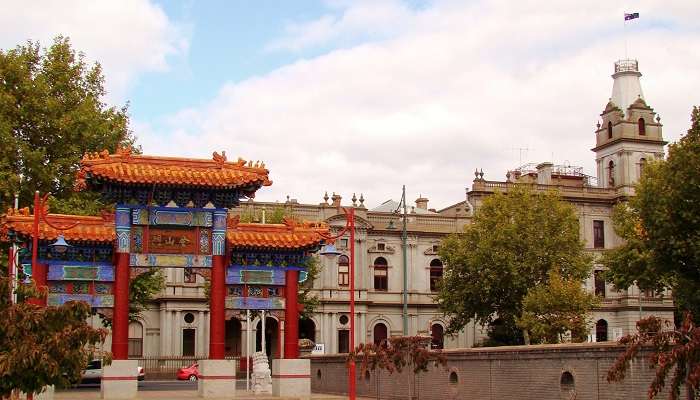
[(447, 88), (128, 37)]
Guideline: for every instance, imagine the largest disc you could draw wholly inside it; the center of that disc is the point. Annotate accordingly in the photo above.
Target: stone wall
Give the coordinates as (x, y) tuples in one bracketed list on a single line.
[(571, 371)]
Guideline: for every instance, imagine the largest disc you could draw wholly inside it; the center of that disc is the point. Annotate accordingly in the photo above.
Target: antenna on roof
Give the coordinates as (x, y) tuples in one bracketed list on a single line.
[(520, 153)]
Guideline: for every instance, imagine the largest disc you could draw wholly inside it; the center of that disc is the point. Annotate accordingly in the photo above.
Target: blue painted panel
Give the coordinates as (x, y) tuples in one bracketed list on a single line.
[(255, 303)]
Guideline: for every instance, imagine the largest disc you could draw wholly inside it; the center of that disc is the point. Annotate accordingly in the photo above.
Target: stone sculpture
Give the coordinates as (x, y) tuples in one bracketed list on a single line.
[(261, 377)]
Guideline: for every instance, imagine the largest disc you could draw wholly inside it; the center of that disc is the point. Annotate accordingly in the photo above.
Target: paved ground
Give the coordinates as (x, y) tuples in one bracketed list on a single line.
[(183, 390)]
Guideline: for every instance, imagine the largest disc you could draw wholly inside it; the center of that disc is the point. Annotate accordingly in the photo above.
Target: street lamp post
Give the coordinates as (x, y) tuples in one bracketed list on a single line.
[(404, 245), (330, 250)]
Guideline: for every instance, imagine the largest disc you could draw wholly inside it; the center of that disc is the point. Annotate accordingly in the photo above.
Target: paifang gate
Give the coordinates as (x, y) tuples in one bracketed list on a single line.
[(172, 212)]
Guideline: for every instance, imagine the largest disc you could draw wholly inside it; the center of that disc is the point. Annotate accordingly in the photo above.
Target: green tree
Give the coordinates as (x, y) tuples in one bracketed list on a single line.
[(514, 241), (42, 346), (561, 306), (306, 299), (142, 290), (661, 226), (52, 113)]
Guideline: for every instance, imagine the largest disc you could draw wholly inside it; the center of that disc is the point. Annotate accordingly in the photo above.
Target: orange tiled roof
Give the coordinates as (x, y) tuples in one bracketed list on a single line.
[(125, 167), (289, 235), (96, 229)]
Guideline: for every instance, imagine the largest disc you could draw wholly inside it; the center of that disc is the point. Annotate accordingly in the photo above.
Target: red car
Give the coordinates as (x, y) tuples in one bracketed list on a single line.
[(190, 373)]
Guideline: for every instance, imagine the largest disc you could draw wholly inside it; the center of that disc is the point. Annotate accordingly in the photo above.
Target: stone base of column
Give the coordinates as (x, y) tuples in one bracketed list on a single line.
[(218, 379), (119, 380), (291, 378)]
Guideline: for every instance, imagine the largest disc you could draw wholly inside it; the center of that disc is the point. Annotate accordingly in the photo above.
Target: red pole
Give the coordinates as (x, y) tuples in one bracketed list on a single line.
[(120, 320), (217, 304), (291, 316), (37, 275), (10, 271), (351, 366)]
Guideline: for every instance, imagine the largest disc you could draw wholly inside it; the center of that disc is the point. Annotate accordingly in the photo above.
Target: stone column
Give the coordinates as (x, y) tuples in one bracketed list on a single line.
[(363, 327), (163, 331), (177, 333), (199, 346)]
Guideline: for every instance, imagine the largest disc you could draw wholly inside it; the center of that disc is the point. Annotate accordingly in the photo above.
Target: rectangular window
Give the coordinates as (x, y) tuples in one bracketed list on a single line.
[(381, 279), (598, 234), (343, 243), (343, 275), (381, 246), (435, 277), (344, 341), (599, 283), (135, 347), (188, 339)]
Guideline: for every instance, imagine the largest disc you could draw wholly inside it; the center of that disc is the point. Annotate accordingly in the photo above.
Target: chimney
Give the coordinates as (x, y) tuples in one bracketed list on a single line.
[(336, 200), (544, 173), (422, 203)]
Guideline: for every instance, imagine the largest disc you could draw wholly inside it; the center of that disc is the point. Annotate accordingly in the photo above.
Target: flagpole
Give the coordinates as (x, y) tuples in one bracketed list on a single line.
[(624, 32)]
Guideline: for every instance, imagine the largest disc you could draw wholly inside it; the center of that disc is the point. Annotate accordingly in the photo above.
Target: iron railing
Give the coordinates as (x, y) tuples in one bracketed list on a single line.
[(165, 368)]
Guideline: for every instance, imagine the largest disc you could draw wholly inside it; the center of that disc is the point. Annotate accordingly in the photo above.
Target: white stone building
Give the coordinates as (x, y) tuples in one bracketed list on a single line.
[(629, 135)]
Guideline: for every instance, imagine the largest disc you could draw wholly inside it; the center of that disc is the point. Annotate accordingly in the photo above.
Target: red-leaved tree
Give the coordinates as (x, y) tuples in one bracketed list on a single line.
[(396, 354), (674, 352), (42, 346)]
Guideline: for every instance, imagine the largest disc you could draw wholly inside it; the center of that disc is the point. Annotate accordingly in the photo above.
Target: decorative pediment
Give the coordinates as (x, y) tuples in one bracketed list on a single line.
[(381, 248)]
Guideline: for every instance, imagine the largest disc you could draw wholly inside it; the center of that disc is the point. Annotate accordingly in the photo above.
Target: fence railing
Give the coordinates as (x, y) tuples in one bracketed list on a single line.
[(165, 368)]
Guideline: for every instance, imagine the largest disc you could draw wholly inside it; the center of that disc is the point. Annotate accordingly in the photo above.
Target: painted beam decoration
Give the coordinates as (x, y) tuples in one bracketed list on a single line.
[(172, 216), (80, 271), (255, 275), (255, 303), (170, 260), (96, 300)]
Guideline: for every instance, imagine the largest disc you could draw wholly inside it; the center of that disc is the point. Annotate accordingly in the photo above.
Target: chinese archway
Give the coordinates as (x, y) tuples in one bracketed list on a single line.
[(171, 212)]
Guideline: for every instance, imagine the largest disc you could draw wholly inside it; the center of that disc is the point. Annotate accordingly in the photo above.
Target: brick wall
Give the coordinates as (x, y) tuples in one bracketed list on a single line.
[(520, 372)]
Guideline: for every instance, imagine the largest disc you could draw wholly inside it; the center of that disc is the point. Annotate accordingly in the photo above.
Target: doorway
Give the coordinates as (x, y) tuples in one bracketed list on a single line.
[(271, 337)]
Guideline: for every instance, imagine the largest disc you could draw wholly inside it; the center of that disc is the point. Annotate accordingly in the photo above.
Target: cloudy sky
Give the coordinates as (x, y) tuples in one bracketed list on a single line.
[(365, 96)]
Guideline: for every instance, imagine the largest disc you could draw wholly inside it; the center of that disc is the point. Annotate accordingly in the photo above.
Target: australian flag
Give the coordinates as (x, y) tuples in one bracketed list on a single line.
[(631, 16)]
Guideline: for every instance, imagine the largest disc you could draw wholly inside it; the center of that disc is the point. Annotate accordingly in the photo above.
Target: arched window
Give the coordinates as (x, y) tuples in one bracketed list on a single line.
[(435, 274), (307, 329), (135, 340), (642, 127), (343, 270), (609, 130), (379, 333), (601, 331), (437, 332), (642, 163), (381, 274), (611, 174)]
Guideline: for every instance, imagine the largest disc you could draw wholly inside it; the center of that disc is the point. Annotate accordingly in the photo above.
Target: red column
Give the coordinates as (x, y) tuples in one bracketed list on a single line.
[(11, 271), (217, 316), (120, 319), (38, 271), (291, 315)]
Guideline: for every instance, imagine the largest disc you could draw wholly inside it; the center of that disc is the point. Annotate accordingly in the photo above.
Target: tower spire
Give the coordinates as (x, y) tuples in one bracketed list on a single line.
[(626, 87)]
